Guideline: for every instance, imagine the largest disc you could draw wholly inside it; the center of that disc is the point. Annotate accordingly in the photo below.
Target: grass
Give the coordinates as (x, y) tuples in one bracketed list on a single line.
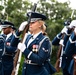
[(60, 73)]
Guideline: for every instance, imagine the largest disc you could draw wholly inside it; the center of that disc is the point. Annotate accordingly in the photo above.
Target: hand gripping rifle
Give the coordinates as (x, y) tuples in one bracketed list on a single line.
[(18, 55)]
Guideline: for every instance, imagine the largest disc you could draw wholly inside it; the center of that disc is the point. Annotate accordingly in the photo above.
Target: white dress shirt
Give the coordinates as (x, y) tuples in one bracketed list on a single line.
[(8, 35), (33, 38)]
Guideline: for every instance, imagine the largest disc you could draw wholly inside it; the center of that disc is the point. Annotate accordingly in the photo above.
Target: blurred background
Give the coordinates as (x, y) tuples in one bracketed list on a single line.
[(58, 11)]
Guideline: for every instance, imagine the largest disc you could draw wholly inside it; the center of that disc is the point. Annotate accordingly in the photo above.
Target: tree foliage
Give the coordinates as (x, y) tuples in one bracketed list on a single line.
[(57, 13), (15, 11)]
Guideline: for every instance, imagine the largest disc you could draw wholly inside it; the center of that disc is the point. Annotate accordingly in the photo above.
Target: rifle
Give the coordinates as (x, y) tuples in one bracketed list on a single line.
[(57, 67), (18, 55)]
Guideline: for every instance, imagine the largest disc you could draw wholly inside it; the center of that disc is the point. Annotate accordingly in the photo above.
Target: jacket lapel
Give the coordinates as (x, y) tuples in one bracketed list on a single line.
[(36, 40), (28, 38), (9, 39)]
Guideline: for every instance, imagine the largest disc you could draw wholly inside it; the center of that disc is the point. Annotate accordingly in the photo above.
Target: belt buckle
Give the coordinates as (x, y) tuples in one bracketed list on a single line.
[(28, 61)]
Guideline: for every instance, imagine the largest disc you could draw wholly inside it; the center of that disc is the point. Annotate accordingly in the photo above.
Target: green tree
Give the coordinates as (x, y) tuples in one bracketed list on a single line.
[(57, 13), (15, 11)]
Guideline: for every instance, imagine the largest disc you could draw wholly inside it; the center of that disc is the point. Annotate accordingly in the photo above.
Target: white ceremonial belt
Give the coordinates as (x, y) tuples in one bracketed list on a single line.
[(29, 62)]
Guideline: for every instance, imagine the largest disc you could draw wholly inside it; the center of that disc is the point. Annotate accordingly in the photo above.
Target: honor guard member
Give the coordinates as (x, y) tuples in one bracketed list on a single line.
[(61, 59), (56, 42), (59, 38), (2, 50), (36, 48), (65, 61), (70, 49), (36, 54), (7, 58)]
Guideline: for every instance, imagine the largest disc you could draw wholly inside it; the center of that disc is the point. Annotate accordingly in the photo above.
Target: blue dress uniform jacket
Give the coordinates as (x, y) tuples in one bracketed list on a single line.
[(56, 39), (7, 58), (35, 66), (2, 42), (70, 50)]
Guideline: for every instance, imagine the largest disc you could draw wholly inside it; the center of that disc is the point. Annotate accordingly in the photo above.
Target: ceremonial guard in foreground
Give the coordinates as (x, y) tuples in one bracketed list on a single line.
[(7, 58), (36, 48)]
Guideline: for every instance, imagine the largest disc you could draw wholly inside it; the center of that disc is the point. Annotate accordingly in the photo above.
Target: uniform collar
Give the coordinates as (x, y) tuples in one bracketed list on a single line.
[(8, 35), (34, 36)]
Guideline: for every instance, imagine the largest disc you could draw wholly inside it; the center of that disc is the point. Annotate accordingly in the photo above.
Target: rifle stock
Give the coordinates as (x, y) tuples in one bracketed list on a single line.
[(15, 62), (57, 65), (58, 59)]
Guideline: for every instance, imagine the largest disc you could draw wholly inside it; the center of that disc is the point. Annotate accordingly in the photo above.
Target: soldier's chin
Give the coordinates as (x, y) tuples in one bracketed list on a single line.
[(30, 29)]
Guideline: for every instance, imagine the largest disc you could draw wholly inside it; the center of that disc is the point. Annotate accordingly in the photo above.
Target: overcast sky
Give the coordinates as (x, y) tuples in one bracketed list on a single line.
[(72, 5)]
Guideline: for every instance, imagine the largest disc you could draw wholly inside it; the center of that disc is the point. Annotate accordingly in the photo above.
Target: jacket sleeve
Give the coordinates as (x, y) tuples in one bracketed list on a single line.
[(15, 39), (56, 39)]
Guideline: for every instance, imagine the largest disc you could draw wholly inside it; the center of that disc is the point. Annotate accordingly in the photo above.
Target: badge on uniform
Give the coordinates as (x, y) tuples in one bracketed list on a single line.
[(35, 48), (8, 43)]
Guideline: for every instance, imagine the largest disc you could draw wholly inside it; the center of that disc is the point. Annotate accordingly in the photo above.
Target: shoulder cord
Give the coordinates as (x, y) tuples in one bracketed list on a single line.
[(43, 41)]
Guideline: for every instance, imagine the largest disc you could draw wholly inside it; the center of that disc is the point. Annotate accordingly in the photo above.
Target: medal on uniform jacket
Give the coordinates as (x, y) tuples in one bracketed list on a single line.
[(35, 48), (8, 43)]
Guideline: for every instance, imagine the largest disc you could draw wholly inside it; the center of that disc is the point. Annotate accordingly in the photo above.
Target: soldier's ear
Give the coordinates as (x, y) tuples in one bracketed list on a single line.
[(40, 26)]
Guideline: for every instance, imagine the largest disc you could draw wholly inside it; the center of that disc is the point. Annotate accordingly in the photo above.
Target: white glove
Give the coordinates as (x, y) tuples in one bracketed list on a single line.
[(75, 57), (72, 24), (21, 47), (64, 30), (61, 42), (22, 26), (75, 30)]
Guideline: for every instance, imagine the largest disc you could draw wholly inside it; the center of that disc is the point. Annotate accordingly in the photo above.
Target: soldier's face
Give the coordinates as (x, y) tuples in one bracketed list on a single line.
[(7, 30), (34, 27)]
